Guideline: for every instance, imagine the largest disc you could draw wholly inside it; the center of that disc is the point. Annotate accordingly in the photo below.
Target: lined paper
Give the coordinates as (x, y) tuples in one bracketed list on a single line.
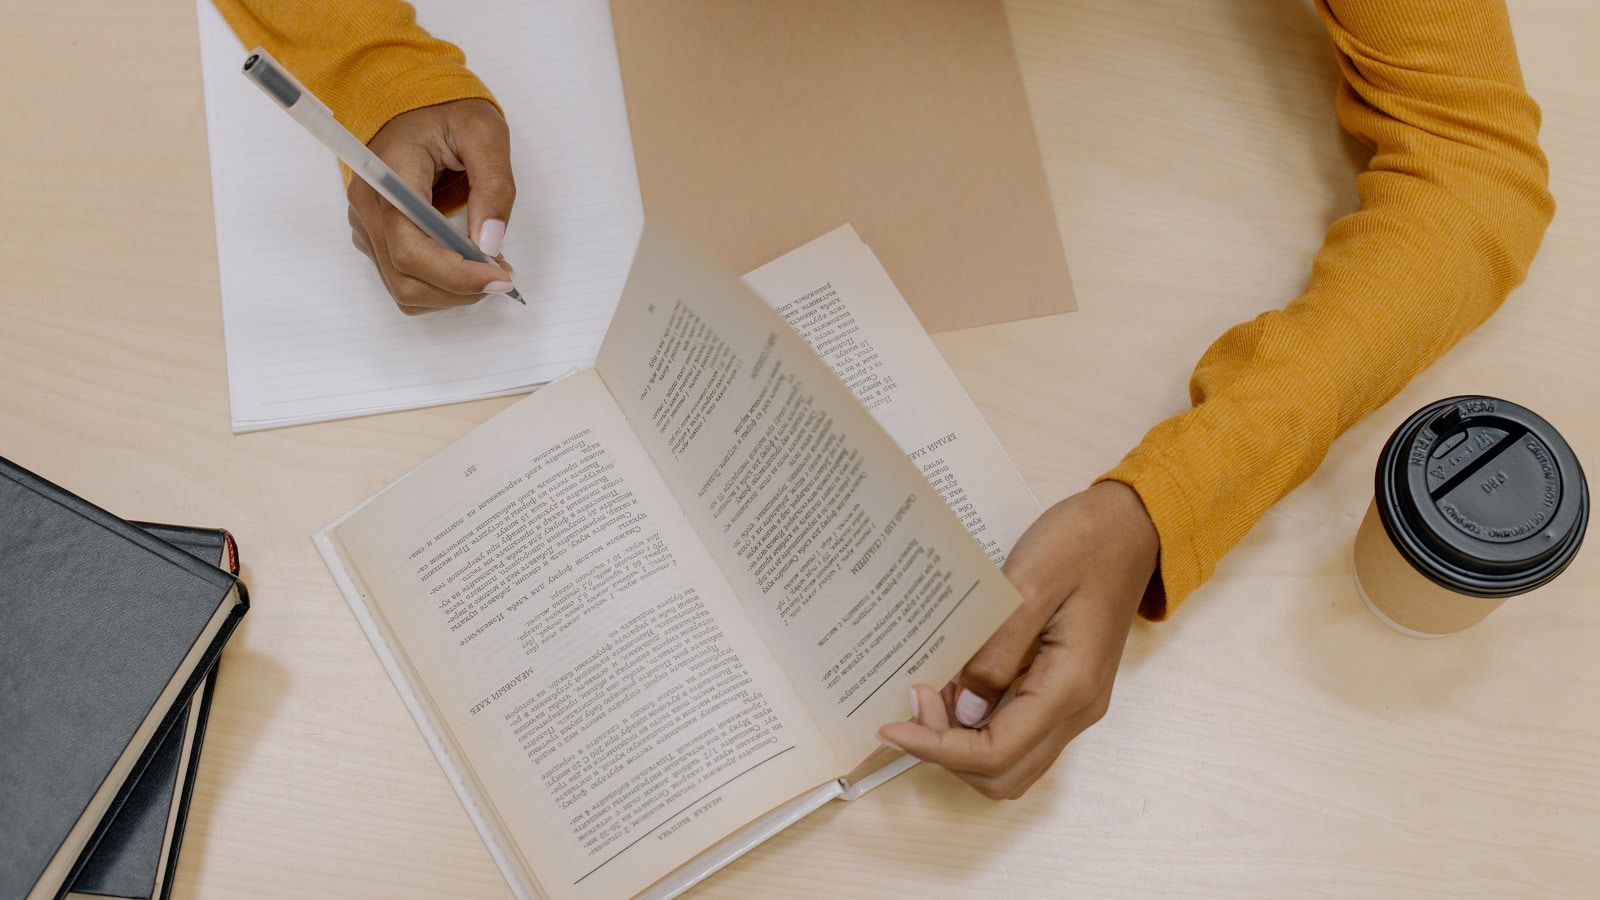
[(311, 332)]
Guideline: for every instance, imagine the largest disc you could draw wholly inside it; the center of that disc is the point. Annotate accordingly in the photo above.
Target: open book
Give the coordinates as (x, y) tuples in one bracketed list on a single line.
[(658, 610)]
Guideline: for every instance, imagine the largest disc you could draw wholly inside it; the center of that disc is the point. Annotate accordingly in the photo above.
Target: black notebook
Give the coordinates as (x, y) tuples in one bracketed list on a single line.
[(105, 632), (137, 855)]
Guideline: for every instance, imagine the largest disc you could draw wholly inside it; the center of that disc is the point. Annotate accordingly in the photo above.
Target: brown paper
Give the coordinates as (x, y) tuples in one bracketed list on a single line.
[(760, 124)]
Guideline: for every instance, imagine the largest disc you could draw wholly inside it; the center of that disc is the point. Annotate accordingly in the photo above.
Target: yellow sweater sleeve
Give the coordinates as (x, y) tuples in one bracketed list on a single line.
[(1454, 203), (368, 60)]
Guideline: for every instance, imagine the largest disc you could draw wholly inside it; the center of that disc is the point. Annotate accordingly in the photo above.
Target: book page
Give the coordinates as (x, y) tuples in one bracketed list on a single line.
[(856, 574), (311, 332), (616, 711), (836, 295)]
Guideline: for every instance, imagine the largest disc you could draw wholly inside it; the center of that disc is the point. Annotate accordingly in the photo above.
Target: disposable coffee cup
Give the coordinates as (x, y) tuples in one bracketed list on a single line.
[(1475, 500)]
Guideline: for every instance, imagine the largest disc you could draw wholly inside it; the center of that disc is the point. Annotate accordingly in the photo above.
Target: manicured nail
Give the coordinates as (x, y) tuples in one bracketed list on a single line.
[(497, 287), (490, 234), (916, 714), (970, 708)]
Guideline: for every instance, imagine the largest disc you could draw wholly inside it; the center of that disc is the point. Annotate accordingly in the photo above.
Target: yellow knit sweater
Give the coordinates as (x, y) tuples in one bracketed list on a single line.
[(368, 60), (1454, 204)]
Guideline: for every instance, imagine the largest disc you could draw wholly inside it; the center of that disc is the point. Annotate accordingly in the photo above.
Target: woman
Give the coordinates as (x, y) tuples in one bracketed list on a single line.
[(1454, 204)]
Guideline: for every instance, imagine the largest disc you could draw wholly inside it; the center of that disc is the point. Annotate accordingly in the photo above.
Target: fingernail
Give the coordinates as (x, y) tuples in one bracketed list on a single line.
[(890, 744), (970, 708), (490, 234), (916, 714), (497, 287)]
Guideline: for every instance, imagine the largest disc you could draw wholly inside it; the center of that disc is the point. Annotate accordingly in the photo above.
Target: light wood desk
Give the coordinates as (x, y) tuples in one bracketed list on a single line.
[(1272, 740)]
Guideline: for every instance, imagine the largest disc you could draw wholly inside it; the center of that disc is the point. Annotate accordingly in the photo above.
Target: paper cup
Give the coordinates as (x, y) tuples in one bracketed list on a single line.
[(1476, 500)]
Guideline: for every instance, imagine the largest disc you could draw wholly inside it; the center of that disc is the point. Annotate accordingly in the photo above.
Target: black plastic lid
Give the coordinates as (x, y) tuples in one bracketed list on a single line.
[(1482, 496)]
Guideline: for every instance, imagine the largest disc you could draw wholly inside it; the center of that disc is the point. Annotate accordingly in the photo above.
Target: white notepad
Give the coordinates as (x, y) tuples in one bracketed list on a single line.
[(311, 332)]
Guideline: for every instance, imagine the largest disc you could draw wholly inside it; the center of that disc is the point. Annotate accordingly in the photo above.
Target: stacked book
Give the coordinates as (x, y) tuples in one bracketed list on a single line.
[(109, 636)]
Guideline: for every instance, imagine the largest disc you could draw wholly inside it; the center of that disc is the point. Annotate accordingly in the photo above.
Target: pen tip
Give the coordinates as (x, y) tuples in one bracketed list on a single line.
[(516, 296)]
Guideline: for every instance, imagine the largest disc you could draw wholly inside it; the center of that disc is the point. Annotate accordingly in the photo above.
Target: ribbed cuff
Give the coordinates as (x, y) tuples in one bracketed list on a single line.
[(1179, 567)]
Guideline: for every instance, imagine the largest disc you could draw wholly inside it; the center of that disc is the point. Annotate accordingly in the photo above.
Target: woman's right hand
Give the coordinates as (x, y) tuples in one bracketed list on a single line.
[(463, 138)]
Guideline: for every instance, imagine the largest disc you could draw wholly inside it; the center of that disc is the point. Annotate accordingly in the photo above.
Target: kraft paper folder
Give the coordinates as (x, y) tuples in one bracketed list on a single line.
[(759, 125)]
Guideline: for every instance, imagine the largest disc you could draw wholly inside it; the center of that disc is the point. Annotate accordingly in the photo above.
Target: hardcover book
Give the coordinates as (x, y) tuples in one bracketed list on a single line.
[(105, 631), (657, 611), (137, 856)]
